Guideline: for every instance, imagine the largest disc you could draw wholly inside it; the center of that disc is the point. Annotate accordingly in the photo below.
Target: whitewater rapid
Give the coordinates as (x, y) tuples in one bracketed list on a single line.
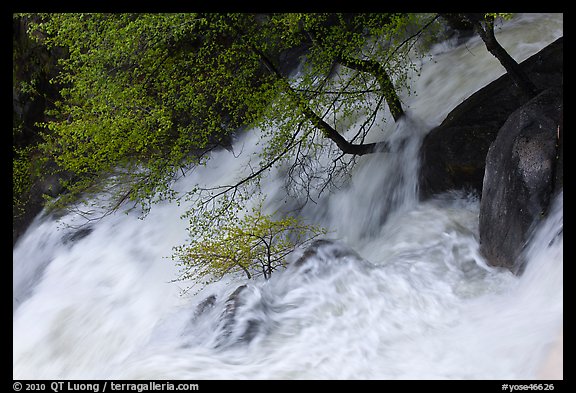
[(399, 292)]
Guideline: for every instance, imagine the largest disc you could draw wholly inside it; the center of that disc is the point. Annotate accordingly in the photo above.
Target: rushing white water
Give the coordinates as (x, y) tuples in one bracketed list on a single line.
[(400, 293)]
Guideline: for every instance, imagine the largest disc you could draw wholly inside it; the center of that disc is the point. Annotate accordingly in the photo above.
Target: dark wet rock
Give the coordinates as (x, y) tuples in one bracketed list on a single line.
[(325, 250), (235, 328), (521, 179), (325, 258), (453, 155), (77, 235), (231, 306), (204, 306)]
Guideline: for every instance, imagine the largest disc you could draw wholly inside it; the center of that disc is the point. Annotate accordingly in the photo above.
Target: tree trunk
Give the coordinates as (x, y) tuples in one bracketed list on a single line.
[(484, 27)]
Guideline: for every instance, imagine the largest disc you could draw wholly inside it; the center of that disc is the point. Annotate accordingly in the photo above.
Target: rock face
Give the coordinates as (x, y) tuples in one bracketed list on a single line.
[(32, 65), (233, 331), (520, 178), (505, 150), (325, 250), (453, 154)]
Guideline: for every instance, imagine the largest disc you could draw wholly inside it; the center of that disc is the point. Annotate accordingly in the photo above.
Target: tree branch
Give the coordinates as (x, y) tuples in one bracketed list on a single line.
[(317, 121), (377, 70), (484, 27)]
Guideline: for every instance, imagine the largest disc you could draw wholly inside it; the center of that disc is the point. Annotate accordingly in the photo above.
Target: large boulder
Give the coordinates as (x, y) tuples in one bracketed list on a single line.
[(520, 179), (453, 154)]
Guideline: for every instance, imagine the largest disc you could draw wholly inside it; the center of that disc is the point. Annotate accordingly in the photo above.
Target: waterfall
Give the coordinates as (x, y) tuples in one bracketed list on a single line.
[(397, 290)]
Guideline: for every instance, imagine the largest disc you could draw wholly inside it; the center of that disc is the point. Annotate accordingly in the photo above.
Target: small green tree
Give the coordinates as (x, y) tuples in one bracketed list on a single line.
[(256, 245)]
